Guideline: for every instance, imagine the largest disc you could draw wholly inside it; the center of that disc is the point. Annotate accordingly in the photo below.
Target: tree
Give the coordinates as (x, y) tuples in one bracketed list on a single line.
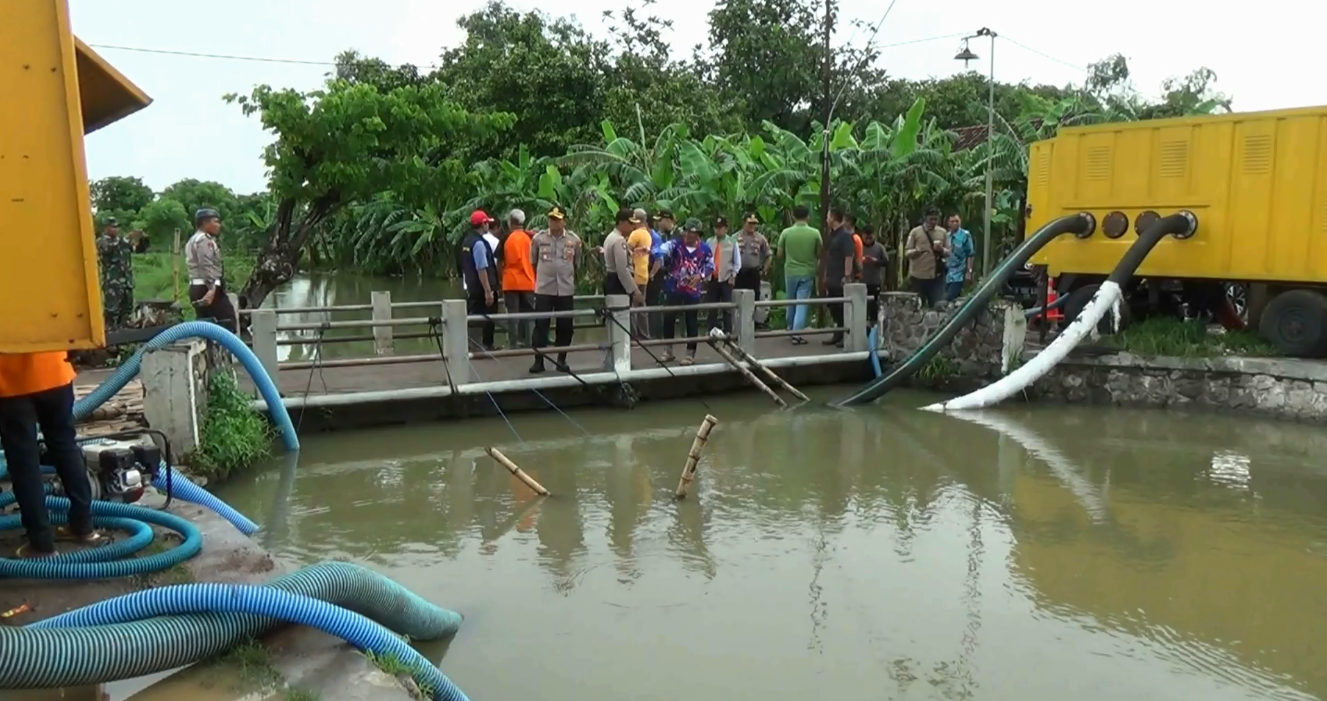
[(120, 194), (768, 55), (194, 195), (160, 219), (345, 143)]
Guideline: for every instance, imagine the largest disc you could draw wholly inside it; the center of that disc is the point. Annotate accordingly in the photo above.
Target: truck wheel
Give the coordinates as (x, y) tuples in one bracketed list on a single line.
[(1079, 298), (1295, 322)]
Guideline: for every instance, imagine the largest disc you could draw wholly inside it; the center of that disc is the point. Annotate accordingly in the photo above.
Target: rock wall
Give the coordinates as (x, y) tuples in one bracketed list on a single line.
[(1278, 387), (983, 349)]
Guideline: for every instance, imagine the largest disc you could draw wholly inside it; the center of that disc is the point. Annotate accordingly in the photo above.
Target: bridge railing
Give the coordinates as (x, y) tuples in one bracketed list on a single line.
[(453, 330)]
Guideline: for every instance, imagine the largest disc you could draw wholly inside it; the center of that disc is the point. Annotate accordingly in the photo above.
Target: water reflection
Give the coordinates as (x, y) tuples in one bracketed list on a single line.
[(1025, 553)]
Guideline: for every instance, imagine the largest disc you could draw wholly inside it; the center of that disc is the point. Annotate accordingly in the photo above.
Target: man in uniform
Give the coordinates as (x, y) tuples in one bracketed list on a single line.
[(479, 275), (115, 258), (757, 257), (207, 284), (556, 255)]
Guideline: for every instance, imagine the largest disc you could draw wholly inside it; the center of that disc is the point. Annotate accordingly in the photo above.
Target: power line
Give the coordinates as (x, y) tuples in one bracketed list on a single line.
[(229, 57), (1042, 54), (923, 41)]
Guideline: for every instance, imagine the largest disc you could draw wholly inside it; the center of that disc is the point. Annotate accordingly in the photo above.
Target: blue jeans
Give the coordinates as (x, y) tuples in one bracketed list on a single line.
[(799, 287), (953, 290)]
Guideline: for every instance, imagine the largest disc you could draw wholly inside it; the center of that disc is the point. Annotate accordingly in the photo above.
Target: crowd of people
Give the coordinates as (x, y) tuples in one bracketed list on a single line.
[(656, 263)]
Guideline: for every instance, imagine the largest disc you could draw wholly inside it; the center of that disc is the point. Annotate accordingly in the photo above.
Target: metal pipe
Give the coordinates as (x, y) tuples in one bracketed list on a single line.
[(356, 324), (795, 302), (803, 332)]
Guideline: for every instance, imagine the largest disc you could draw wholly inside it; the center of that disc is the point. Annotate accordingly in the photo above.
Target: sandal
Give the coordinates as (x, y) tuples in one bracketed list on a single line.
[(27, 552), (689, 360), (799, 341), (90, 538)]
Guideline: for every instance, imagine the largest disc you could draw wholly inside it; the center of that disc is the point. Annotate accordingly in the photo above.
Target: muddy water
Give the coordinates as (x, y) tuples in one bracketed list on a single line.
[(884, 553)]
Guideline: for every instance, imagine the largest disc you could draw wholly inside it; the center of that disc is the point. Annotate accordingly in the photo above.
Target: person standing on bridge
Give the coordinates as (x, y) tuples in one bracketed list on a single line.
[(115, 262), (37, 389), (207, 284), (479, 275), (620, 260), (556, 254), (727, 261), (799, 246), (927, 249), (518, 279), (958, 269), (689, 263)]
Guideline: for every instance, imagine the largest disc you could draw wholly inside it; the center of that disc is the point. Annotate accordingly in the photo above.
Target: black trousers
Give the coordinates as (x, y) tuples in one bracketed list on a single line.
[(836, 310), (220, 311), (613, 286), (748, 279), (476, 304), (872, 305), (931, 291), (653, 295), (565, 324), (53, 410), (720, 292), (690, 317)]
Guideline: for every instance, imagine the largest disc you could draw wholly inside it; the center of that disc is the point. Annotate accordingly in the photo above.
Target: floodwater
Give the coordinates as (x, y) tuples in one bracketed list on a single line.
[(884, 553)]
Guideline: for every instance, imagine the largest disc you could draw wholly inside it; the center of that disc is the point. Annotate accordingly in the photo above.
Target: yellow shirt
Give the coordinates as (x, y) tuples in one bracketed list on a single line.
[(639, 243)]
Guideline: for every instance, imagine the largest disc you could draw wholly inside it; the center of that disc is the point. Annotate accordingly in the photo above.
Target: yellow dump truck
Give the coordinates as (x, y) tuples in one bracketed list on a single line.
[(56, 90), (1257, 183)]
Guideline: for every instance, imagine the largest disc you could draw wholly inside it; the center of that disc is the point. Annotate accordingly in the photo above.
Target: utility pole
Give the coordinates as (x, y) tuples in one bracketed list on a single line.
[(827, 114)]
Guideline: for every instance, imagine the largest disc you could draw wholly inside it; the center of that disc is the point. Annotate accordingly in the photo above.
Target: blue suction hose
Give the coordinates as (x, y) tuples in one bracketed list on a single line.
[(212, 332)]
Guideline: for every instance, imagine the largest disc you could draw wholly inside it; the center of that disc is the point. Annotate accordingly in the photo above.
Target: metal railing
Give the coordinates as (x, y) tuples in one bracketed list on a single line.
[(453, 329)]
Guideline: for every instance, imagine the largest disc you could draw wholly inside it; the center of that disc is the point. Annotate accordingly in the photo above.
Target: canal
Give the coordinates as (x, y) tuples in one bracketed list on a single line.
[(883, 553)]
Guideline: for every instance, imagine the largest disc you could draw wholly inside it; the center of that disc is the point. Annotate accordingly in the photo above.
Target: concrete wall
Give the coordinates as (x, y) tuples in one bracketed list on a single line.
[(983, 349), (1279, 387)]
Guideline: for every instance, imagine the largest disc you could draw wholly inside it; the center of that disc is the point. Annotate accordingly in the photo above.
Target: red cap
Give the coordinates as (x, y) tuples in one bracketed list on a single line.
[(478, 218)]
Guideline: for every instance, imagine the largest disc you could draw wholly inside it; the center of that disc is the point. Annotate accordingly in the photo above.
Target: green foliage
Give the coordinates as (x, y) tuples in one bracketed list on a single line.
[(391, 664), (1168, 337), (253, 665), (234, 435), (120, 194), (938, 369), (154, 276), (298, 694), (161, 218)]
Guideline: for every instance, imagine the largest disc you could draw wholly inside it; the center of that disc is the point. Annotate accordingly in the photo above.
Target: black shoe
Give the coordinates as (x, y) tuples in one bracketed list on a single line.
[(562, 360), (833, 342), (537, 368)]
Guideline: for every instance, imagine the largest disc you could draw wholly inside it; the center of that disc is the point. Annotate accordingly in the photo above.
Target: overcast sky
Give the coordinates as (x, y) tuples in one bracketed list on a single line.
[(1266, 54)]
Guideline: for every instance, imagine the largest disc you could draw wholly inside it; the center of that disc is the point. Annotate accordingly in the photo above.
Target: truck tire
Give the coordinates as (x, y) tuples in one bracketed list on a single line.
[(1295, 322), (1079, 298)]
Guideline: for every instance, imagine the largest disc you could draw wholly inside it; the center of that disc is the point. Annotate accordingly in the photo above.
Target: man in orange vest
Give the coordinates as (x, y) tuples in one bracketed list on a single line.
[(37, 389), (518, 280)]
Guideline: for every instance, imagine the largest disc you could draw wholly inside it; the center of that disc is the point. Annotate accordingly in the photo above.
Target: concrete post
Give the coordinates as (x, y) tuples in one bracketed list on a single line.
[(382, 311), (1015, 338), (456, 340), (744, 320), (264, 339), (172, 395), (619, 336), (854, 317), (766, 294)]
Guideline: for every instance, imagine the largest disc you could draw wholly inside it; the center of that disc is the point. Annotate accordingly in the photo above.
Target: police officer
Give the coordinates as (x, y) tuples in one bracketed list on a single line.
[(556, 255), (207, 284), (115, 259), (479, 274)]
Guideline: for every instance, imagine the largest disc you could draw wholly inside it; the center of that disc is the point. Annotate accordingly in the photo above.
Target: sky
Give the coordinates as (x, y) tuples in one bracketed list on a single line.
[(1266, 55)]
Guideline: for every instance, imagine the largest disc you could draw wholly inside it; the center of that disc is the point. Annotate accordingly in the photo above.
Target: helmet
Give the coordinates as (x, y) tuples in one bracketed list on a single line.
[(204, 214)]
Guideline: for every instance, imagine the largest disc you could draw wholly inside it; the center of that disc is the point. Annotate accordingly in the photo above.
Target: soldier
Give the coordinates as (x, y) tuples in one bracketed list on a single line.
[(207, 284), (556, 255), (115, 259)]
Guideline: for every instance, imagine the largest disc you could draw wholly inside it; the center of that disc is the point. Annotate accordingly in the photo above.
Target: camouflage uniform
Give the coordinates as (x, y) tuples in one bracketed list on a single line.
[(114, 258)]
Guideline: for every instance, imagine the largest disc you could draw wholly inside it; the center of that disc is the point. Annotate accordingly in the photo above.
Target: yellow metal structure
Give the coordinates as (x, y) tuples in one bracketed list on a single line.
[(1257, 182), (56, 89)]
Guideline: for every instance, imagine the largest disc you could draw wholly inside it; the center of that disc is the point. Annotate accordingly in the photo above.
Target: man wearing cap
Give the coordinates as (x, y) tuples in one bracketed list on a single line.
[(689, 263), (115, 259), (517, 279), (619, 258), (727, 261), (207, 284), (556, 255), (756, 256), (642, 243), (479, 275)]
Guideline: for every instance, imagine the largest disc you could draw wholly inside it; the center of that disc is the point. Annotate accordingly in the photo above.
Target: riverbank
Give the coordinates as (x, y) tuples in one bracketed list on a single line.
[(294, 663)]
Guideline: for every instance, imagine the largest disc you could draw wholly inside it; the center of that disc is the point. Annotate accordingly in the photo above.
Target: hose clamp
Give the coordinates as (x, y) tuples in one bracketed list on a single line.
[(1190, 228), (1091, 225)]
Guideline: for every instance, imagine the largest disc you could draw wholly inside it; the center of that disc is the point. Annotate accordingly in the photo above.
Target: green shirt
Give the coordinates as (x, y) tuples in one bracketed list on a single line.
[(800, 244)]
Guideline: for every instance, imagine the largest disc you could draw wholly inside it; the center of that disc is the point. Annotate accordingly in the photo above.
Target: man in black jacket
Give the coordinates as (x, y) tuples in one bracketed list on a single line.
[(479, 274)]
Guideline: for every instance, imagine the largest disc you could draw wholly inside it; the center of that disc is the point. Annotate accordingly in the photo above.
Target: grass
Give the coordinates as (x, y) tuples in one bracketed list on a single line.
[(234, 435), (938, 368), (254, 664), (390, 664), (1163, 336), (298, 694)]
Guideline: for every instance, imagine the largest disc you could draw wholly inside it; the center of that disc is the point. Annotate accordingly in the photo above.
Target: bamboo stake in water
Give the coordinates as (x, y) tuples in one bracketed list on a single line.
[(506, 462), (743, 355), (693, 458), (750, 376)]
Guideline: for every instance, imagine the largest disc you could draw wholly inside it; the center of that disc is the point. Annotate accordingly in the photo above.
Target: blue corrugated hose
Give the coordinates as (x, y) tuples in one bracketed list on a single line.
[(212, 332), (355, 629), (47, 655)]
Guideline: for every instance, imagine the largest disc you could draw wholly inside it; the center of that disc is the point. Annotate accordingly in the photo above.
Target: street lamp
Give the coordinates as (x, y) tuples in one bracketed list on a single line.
[(966, 55)]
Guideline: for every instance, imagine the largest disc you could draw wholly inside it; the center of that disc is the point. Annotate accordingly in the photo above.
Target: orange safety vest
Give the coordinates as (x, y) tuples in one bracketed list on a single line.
[(30, 373)]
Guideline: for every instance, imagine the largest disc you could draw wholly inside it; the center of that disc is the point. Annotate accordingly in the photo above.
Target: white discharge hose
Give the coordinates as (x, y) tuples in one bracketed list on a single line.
[(1103, 301)]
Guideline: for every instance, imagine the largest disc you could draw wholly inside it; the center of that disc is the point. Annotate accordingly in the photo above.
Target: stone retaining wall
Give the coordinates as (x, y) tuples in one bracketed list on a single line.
[(994, 342)]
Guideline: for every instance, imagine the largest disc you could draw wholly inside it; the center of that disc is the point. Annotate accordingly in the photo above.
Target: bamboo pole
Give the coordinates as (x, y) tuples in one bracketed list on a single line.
[(743, 355), (175, 267), (506, 462), (750, 376), (693, 458)]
